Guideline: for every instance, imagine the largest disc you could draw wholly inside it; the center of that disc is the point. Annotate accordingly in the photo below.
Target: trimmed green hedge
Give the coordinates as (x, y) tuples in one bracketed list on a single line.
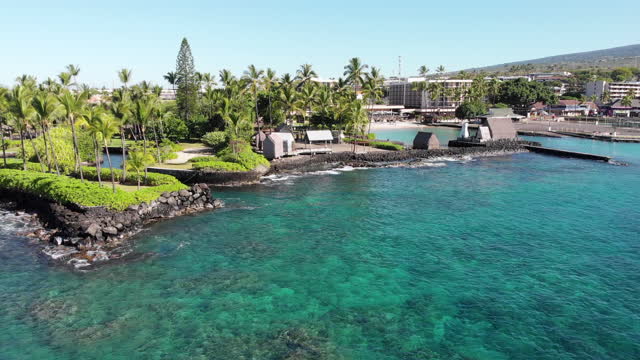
[(203, 159), (67, 190), (385, 145), (153, 179), (91, 173), (218, 166)]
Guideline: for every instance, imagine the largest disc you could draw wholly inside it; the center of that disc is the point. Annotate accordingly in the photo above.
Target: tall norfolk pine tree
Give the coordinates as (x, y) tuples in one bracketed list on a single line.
[(186, 97)]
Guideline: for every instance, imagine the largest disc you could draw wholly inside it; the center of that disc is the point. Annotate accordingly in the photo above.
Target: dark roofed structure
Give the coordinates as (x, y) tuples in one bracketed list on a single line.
[(284, 128), (426, 141)]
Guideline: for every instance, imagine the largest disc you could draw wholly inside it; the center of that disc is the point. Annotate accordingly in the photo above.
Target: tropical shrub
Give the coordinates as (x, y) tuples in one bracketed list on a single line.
[(67, 190), (174, 128), (8, 144), (371, 136), (166, 151), (218, 166), (217, 140), (244, 156), (61, 139)]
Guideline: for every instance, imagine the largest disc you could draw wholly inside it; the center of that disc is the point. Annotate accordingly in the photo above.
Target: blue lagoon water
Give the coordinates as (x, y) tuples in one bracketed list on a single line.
[(444, 134), (511, 257)]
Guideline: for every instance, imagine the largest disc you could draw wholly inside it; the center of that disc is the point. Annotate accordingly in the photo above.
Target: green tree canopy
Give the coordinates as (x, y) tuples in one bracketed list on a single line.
[(187, 93), (521, 93), (471, 109)]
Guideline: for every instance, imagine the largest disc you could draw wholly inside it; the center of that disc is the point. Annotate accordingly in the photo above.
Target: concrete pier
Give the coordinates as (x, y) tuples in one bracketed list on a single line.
[(567, 153)]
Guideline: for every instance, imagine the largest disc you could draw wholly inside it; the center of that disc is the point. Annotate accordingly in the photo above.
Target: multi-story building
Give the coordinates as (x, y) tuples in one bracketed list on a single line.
[(616, 90), (402, 91)]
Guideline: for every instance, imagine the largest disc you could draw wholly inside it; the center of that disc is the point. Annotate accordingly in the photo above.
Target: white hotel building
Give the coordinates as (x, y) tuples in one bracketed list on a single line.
[(617, 90), (400, 92)]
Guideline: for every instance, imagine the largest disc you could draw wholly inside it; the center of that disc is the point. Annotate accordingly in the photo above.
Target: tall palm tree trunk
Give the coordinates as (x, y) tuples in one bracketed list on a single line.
[(96, 149), (113, 178), (4, 150), (144, 148), (76, 151), (46, 148), (24, 153), (155, 135), (33, 145), (53, 151), (270, 119), (124, 156)]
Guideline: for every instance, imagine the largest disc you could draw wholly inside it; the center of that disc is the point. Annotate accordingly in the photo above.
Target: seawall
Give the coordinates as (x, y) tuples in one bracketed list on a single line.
[(81, 235), (384, 158)]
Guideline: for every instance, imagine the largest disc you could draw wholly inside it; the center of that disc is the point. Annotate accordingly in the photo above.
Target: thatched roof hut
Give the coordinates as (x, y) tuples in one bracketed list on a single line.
[(501, 128), (426, 141)]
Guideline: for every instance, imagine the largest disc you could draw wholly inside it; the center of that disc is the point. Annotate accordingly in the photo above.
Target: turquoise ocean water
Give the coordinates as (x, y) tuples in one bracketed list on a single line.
[(512, 257)]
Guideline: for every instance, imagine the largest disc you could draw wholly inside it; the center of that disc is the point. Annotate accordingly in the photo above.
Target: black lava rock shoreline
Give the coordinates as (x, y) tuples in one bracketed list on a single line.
[(387, 158), (81, 236)]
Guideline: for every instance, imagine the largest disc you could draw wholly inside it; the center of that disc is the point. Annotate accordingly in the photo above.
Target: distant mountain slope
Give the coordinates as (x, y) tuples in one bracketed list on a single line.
[(606, 58)]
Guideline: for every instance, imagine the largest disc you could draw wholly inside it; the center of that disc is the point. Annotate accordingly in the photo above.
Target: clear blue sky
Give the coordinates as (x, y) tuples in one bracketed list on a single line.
[(41, 37)]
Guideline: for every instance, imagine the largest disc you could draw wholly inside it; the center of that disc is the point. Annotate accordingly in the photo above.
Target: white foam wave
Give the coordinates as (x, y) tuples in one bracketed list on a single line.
[(434, 164)]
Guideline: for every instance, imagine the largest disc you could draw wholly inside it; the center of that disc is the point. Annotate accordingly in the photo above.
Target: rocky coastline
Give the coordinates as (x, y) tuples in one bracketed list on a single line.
[(390, 158), (82, 236)]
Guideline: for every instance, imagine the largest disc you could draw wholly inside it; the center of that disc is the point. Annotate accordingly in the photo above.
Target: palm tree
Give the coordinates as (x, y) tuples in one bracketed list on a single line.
[(269, 80), (423, 70), (65, 79), (287, 80), (4, 114), (288, 98), (307, 98), (47, 108), (74, 71), (226, 77), (606, 97), (125, 76), (20, 102), (440, 70), (253, 75), (627, 100), (121, 108), (107, 126), (372, 92), (357, 121), (73, 106), (493, 89), (305, 74), (354, 71), (171, 78), (138, 162), (91, 117)]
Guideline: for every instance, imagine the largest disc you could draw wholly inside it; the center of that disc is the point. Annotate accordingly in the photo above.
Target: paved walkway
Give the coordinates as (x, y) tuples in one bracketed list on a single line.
[(184, 156)]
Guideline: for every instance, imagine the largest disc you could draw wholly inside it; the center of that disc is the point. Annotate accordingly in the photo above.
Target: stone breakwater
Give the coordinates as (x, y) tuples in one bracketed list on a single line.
[(386, 158), (81, 236)]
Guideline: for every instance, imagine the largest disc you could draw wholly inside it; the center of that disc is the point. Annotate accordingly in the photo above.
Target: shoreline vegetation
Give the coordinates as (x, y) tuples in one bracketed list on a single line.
[(63, 133)]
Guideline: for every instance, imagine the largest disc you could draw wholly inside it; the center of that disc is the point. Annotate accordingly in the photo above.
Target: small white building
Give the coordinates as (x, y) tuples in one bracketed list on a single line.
[(315, 136)]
